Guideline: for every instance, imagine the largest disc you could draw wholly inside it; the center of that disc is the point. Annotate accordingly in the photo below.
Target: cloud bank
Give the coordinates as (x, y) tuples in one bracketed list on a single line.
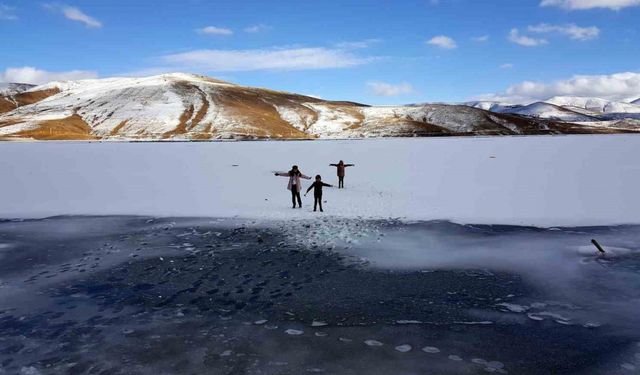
[(618, 87), (590, 4), (28, 74), (214, 60), (388, 89)]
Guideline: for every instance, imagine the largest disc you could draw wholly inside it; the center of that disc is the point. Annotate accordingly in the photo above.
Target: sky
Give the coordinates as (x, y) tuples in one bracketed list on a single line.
[(375, 52)]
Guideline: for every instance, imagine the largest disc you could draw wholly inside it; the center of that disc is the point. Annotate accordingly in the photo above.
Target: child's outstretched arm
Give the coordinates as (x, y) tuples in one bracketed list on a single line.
[(333, 165), (305, 176), (310, 187), (349, 165), (327, 185), (282, 174)]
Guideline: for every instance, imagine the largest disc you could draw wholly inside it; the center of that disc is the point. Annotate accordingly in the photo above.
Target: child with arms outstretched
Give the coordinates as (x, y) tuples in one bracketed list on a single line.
[(317, 192)]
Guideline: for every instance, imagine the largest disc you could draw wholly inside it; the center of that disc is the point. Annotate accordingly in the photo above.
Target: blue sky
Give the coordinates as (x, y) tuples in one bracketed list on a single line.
[(377, 52)]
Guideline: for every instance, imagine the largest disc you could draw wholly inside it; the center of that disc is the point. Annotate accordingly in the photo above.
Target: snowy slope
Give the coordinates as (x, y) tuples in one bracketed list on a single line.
[(551, 111), (8, 89), (182, 106), (569, 109), (594, 104), (497, 107)]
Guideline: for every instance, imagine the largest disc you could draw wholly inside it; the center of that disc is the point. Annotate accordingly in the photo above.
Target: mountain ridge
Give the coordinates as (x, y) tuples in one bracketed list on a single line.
[(181, 106)]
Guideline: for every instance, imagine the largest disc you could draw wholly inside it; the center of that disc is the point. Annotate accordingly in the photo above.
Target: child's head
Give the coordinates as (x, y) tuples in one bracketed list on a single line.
[(294, 168), (318, 178), (341, 162)]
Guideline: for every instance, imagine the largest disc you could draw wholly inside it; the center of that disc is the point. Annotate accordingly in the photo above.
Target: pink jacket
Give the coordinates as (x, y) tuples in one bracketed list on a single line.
[(295, 177)]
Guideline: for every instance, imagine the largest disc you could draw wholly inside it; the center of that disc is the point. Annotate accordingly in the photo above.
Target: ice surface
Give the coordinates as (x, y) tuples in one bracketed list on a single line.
[(202, 295), (544, 181)]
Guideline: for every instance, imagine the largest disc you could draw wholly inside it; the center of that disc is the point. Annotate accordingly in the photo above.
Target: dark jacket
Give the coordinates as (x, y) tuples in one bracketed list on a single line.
[(317, 188), (341, 168)]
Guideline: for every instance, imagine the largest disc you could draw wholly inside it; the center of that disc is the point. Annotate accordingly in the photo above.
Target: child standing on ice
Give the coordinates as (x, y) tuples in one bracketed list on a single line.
[(341, 166), (294, 183), (317, 192)]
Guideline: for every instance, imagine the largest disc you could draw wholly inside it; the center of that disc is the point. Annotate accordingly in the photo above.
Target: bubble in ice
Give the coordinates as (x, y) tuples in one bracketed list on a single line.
[(564, 322), (260, 322), (495, 364), (553, 315), (535, 317), (408, 322), (316, 323), (403, 348), (293, 332), (454, 357), (321, 334), (271, 326), (373, 343), (430, 349), (226, 353), (591, 325), (513, 307), (344, 339), (479, 361)]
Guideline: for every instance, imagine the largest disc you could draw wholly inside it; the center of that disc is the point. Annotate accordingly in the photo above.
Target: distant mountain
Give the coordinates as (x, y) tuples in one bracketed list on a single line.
[(550, 111), (571, 109), (182, 106), (596, 105), (637, 101)]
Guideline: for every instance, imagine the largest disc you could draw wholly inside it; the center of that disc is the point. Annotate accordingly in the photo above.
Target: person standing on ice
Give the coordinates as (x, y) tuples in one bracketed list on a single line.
[(317, 192), (294, 183), (341, 166)]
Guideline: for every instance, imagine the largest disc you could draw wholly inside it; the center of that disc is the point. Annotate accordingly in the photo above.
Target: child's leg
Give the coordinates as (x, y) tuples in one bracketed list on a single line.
[(319, 200), (315, 203), (293, 197), (299, 199)]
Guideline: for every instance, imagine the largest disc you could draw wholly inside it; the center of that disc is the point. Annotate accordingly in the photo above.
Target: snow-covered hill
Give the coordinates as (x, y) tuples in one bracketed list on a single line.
[(7, 89), (595, 105), (550, 111), (182, 106), (572, 109)]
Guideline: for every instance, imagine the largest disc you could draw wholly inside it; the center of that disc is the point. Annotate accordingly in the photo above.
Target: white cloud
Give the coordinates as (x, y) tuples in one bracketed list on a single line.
[(571, 30), (7, 13), (523, 40), (443, 41), (257, 28), (28, 74), (619, 87), (388, 89), (480, 39), (215, 30), (265, 59), (506, 66), (590, 4), (74, 14), (358, 44)]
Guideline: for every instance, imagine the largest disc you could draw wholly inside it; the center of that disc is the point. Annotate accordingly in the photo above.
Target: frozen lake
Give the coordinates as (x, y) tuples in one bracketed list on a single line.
[(447, 256), (543, 181)]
